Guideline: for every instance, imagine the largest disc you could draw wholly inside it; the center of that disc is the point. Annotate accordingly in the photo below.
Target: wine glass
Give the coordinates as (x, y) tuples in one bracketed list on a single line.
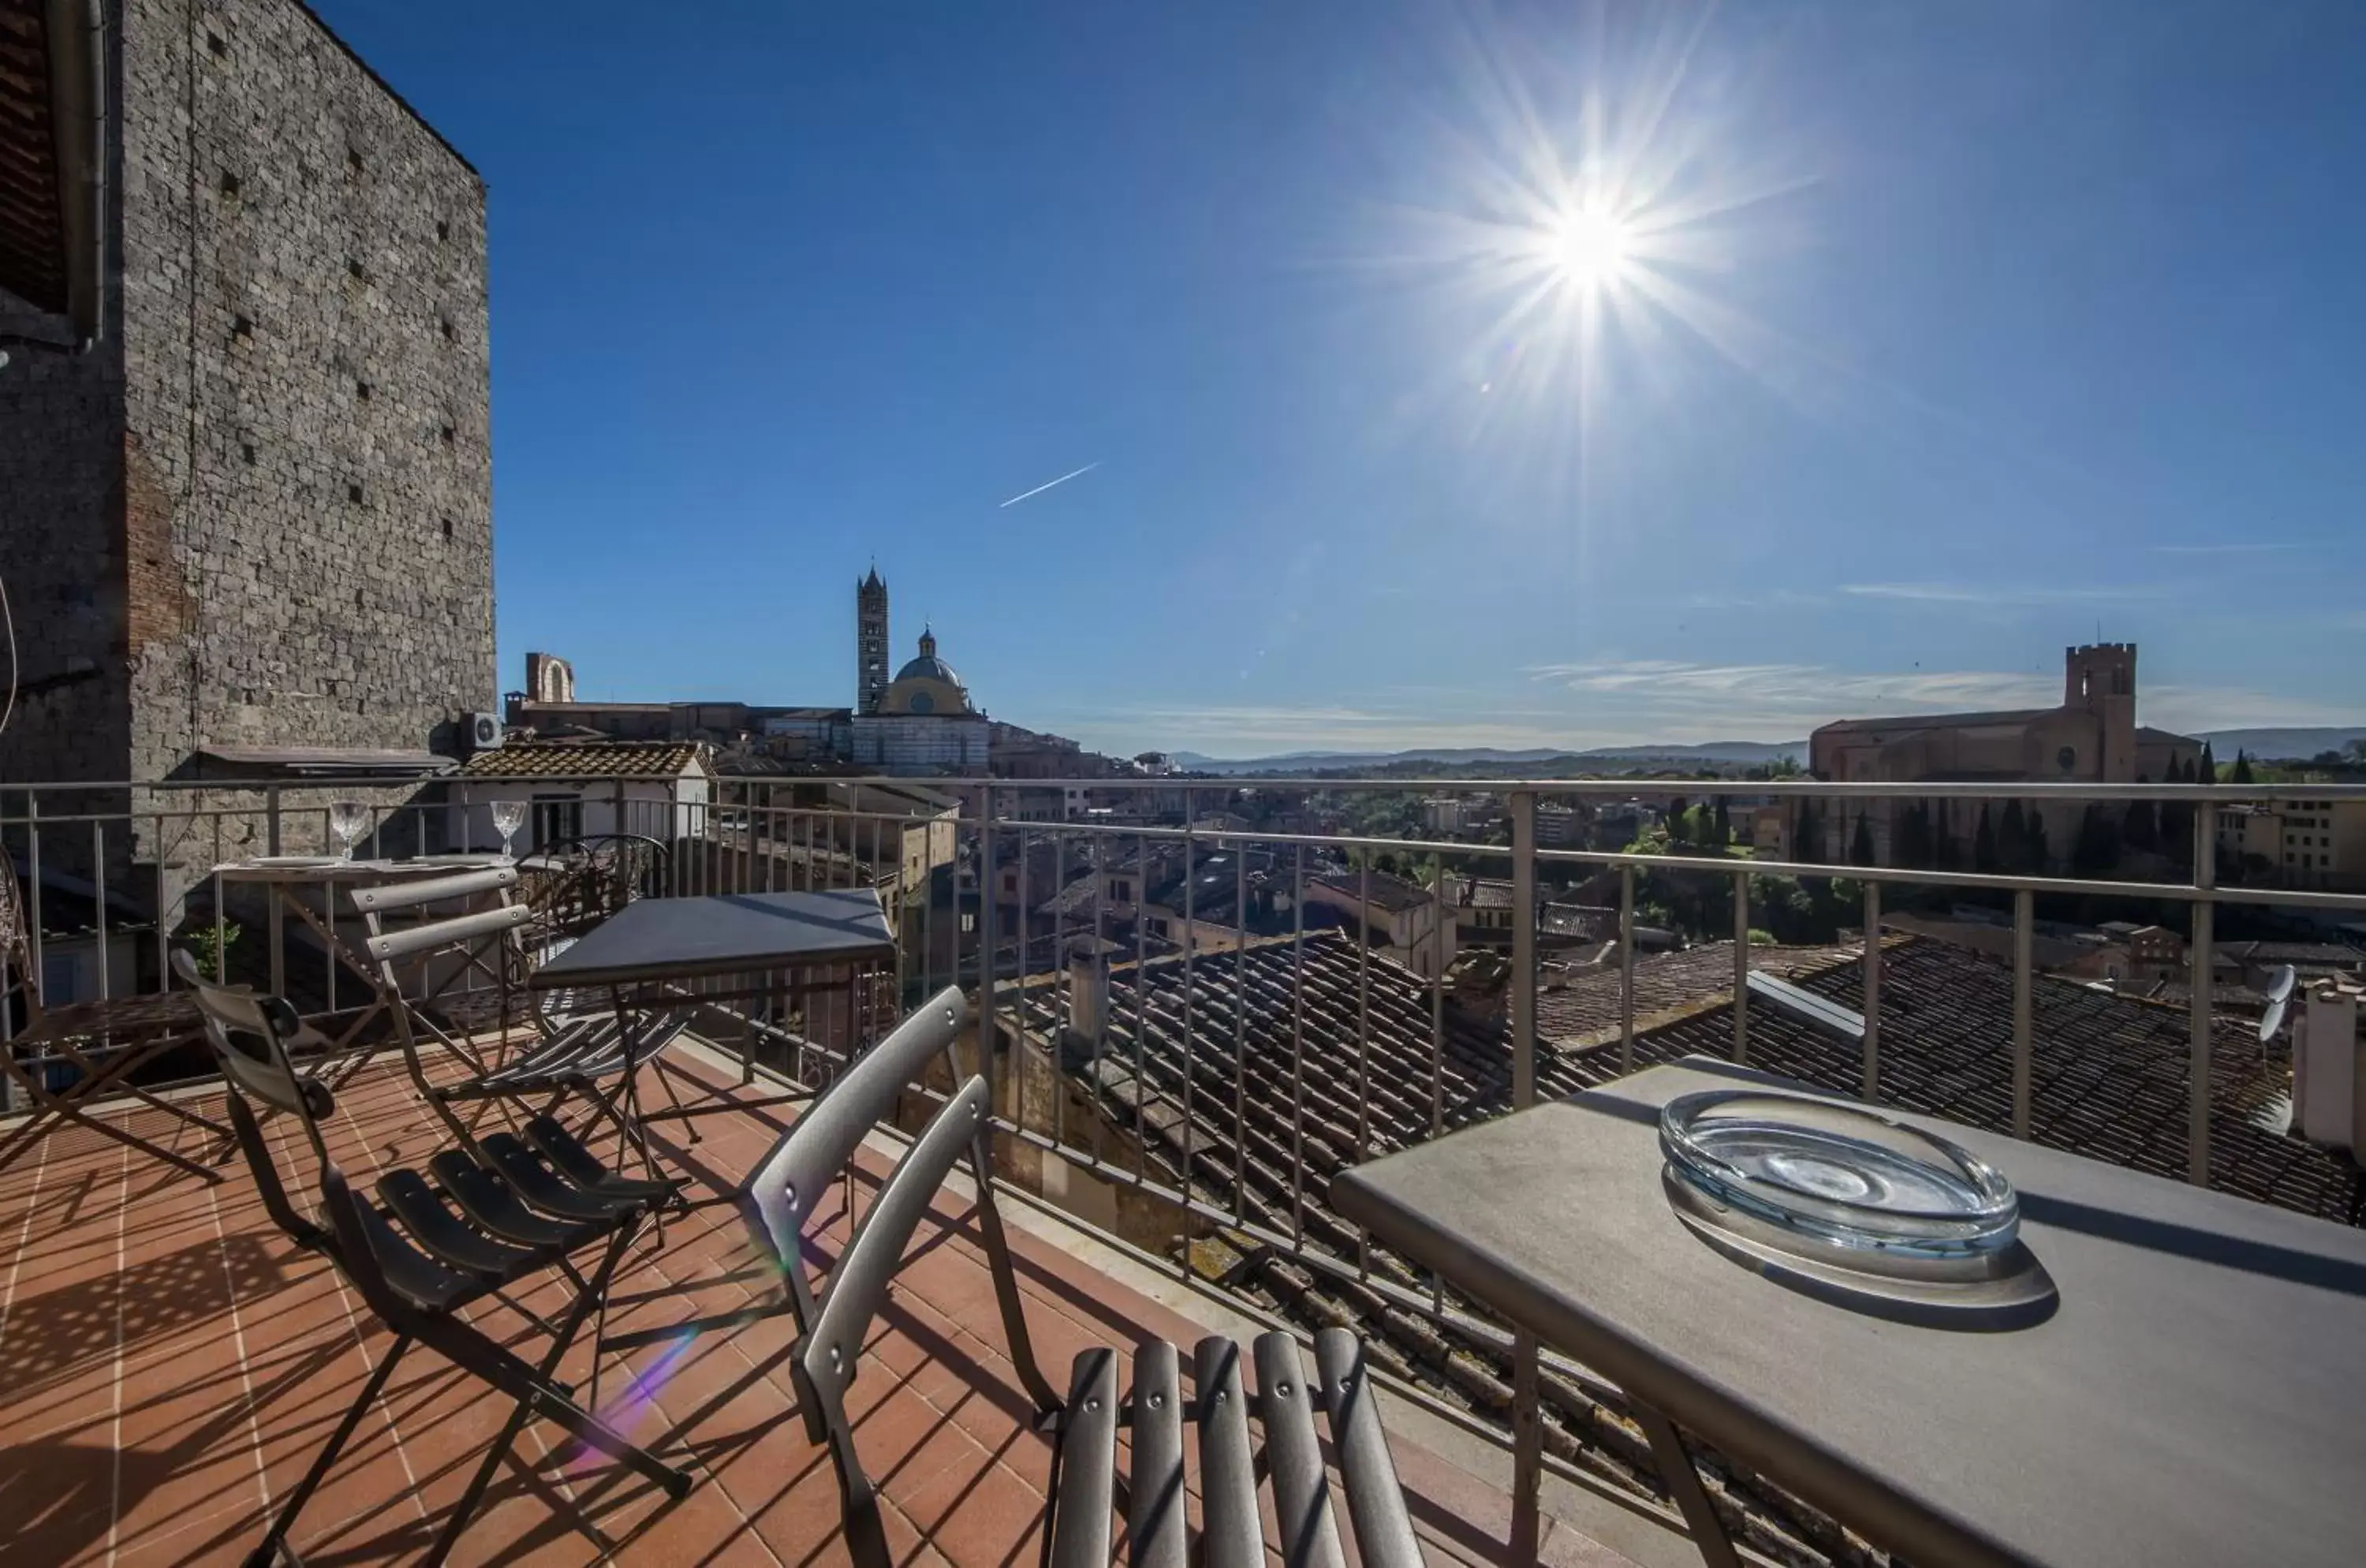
[(348, 821), (509, 816)]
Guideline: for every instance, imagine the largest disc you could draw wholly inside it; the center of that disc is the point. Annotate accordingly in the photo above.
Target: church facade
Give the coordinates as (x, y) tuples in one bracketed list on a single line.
[(2092, 738), (921, 722)]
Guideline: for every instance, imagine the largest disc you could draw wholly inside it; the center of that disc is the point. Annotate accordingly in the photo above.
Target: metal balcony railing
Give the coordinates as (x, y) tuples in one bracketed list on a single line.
[(1276, 971)]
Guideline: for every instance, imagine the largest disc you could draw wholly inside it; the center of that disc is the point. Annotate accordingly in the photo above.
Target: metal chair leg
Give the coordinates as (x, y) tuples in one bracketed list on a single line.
[(263, 1555)]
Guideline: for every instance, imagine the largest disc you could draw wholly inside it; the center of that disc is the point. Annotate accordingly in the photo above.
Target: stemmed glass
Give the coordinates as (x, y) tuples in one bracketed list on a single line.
[(348, 821), (509, 816)]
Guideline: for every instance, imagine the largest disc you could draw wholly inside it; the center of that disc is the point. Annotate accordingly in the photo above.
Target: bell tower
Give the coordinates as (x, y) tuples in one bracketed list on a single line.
[(2101, 679), (869, 643)]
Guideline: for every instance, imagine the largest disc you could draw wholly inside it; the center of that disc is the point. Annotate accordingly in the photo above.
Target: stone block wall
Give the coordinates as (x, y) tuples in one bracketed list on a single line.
[(261, 512), (307, 434)]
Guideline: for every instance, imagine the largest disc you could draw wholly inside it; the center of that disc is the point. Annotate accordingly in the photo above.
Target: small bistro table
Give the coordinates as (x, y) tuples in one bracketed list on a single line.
[(659, 954), (2198, 1395)]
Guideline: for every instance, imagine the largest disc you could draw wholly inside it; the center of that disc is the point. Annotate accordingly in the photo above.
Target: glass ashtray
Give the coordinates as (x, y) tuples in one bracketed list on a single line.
[(1836, 1177)]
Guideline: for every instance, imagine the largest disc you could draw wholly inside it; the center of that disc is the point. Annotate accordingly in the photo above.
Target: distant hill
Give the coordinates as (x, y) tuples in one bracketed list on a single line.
[(2274, 745), (1744, 752)]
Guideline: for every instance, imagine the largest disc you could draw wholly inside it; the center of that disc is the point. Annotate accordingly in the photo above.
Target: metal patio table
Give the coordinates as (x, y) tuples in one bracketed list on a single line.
[(659, 954), (2197, 1396)]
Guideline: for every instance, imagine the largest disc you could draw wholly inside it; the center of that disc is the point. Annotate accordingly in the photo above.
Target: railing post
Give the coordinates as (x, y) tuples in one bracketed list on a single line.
[(2023, 903), (1872, 1087), (1524, 949), (986, 960), (1740, 968), (274, 900), (1527, 1433), (2205, 914), (98, 879), (1626, 970)]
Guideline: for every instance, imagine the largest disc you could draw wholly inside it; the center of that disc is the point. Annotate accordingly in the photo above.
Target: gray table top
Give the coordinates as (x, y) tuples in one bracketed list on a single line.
[(726, 933), (2198, 1396), (317, 869)]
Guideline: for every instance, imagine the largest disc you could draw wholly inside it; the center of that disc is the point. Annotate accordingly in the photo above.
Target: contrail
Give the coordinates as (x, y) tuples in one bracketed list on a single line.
[(1039, 489)]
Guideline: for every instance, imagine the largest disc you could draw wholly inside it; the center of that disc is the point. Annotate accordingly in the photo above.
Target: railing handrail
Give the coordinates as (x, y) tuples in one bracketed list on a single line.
[(1621, 786)]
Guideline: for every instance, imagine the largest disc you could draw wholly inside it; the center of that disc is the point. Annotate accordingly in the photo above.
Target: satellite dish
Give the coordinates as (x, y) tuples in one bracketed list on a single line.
[(2281, 983), (2273, 1020)]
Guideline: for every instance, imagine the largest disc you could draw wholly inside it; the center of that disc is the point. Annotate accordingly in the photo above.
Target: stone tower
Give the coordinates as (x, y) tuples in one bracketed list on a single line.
[(2101, 679), (869, 643), (255, 510)]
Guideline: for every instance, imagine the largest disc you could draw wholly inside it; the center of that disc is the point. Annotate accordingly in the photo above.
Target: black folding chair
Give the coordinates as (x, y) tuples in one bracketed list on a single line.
[(782, 1197), (594, 1057), (446, 1256)]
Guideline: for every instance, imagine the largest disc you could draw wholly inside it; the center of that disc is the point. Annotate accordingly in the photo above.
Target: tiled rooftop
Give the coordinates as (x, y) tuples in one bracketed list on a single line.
[(1587, 1007), (169, 1363), (585, 760)]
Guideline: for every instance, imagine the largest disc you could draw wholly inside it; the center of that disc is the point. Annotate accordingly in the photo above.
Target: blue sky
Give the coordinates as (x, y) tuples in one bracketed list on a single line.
[(1500, 375)]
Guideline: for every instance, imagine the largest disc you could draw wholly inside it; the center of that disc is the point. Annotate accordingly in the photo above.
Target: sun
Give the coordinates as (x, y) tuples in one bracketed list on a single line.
[(1588, 248)]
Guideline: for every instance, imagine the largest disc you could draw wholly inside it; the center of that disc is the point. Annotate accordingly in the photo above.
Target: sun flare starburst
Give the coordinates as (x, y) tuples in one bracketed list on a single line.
[(1588, 247), (1578, 199)]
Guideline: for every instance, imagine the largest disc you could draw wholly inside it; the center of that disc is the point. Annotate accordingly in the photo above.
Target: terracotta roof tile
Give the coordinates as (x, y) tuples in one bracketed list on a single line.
[(585, 760)]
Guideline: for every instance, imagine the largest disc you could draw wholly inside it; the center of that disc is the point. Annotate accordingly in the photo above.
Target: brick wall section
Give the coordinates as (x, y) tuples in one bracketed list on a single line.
[(184, 554)]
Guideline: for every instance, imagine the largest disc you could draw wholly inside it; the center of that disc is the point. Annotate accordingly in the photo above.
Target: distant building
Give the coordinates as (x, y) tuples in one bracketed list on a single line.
[(2092, 737), (924, 723), (583, 790), (870, 643)]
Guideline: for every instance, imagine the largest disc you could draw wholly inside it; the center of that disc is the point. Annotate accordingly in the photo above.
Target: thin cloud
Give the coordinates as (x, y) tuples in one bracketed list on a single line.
[(2246, 548), (1996, 594), (1063, 478)]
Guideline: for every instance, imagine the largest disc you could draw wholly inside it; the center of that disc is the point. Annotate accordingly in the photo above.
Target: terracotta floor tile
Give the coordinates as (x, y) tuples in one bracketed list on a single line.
[(170, 1312)]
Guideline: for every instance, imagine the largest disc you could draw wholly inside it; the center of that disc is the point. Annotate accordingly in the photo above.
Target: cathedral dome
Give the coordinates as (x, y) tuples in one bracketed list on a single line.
[(928, 667), (926, 686)]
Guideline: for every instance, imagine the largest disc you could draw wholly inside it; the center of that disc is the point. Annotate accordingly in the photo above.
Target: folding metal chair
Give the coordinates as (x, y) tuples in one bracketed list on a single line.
[(65, 1059), (418, 1278), (782, 1196), (592, 1056)]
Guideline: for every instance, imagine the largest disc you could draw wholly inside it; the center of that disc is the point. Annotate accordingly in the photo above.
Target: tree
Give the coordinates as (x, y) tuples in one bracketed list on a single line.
[(2140, 828), (2097, 847), (2013, 836), (1984, 842), (2207, 772), (2038, 854), (1678, 829), (1720, 831), (1913, 846), (1861, 845), (1808, 848), (2242, 760)]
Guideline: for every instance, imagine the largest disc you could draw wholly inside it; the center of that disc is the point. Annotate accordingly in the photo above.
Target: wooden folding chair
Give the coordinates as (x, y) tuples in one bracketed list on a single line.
[(65, 1060)]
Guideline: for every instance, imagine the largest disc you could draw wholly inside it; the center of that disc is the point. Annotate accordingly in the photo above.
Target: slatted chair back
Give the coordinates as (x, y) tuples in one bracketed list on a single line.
[(827, 1357), (783, 1194), (250, 1036), (393, 945)]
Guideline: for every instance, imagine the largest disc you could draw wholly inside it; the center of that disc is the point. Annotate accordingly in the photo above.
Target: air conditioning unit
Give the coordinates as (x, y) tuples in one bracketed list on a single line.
[(484, 732)]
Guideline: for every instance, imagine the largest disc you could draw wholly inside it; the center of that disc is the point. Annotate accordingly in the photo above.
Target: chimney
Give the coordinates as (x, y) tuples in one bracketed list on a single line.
[(2328, 1089), (1088, 995)]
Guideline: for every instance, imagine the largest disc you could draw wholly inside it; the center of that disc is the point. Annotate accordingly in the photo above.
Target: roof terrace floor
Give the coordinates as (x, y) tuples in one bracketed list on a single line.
[(170, 1362)]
